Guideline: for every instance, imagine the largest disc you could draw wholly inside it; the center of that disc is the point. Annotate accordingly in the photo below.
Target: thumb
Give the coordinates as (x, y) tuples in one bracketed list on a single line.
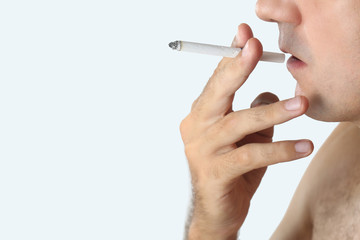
[(265, 99)]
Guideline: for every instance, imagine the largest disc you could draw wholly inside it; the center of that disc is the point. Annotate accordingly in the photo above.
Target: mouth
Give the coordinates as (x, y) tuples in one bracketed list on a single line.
[(294, 62), (295, 58)]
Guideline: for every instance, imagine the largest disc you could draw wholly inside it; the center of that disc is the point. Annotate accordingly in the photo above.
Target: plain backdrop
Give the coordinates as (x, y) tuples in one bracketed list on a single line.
[(91, 99)]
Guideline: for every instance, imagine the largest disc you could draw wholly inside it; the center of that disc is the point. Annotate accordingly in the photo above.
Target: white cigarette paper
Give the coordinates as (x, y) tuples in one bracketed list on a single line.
[(222, 51)]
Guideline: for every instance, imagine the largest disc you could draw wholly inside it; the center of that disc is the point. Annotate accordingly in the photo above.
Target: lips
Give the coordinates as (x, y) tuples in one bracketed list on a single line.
[(287, 51), (294, 62), (295, 58)]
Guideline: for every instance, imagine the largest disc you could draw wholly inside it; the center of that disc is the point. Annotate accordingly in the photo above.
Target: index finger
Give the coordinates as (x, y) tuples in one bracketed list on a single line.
[(217, 96)]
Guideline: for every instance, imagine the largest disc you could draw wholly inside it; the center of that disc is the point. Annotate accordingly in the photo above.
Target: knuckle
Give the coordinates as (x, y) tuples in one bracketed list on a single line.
[(185, 129), (259, 114), (244, 156), (221, 128), (197, 149), (264, 113), (183, 126), (191, 151), (229, 122)]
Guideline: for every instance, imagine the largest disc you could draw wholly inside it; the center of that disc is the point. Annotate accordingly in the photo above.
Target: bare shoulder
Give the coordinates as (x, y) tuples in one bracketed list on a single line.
[(337, 158), (334, 195)]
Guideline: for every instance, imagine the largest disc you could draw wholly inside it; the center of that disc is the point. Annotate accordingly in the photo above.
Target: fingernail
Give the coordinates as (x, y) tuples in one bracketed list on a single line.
[(293, 104), (245, 50), (303, 147)]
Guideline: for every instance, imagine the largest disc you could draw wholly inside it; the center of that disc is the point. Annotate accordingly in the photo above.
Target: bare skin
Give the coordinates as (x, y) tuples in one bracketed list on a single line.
[(228, 151), (326, 204)]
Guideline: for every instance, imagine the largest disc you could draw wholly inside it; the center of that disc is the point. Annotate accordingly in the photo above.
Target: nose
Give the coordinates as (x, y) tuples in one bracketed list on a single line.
[(280, 11)]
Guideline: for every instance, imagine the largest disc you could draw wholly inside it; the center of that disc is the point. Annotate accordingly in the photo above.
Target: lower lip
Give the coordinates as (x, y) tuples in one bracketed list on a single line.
[(293, 63)]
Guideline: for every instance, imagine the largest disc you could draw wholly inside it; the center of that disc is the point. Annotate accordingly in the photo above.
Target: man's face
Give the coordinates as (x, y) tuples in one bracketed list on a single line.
[(325, 36)]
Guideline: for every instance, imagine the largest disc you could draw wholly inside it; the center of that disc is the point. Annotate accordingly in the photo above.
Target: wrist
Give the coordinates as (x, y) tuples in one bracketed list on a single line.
[(197, 232)]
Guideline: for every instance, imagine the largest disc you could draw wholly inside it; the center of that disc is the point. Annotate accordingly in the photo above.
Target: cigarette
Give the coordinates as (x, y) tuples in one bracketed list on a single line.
[(222, 51)]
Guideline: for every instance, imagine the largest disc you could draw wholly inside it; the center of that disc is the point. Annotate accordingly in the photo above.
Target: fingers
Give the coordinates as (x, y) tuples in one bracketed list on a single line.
[(265, 99), (231, 73), (244, 33), (236, 125), (258, 155)]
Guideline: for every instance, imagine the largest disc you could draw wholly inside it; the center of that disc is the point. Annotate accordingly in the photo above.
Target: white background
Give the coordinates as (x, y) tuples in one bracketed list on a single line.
[(91, 99)]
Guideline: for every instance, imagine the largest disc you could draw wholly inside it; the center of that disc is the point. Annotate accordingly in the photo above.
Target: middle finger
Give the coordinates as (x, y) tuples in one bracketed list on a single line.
[(236, 125)]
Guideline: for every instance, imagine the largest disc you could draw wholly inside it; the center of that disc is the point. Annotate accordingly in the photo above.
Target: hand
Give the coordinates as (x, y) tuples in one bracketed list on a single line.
[(228, 152)]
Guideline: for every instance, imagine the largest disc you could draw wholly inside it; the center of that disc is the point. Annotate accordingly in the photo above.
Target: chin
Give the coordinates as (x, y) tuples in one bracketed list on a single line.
[(320, 109), (319, 116), (325, 112)]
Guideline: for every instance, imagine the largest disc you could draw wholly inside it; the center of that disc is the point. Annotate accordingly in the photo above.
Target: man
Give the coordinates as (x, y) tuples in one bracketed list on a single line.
[(228, 151)]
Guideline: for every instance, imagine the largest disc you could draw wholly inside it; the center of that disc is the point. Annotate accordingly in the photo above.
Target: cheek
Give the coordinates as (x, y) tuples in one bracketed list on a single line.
[(337, 71), (333, 81), (335, 59), (333, 30), (334, 92)]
